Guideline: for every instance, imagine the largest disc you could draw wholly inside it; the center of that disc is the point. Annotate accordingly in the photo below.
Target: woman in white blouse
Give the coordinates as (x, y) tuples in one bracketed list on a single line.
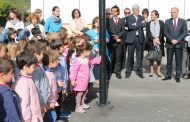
[(34, 19), (77, 24), (14, 20)]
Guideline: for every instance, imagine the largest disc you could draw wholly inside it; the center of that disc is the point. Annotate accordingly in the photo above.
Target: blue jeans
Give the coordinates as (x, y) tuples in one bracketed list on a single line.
[(96, 71), (50, 116)]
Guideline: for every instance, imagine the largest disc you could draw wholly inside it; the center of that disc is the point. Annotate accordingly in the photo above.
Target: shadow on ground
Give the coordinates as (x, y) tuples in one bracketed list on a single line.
[(69, 103)]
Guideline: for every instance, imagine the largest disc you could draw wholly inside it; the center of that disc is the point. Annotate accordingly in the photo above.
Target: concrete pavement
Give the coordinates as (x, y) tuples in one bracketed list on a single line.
[(140, 100)]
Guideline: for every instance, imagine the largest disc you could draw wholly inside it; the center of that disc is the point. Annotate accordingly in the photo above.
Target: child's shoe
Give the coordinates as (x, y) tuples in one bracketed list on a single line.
[(65, 114), (85, 106), (80, 110)]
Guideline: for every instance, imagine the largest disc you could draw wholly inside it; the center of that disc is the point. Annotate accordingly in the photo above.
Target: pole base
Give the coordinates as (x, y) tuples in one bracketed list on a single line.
[(103, 105)]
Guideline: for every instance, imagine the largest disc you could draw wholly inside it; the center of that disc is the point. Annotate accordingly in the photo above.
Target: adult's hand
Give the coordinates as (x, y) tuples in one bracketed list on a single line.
[(174, 41)]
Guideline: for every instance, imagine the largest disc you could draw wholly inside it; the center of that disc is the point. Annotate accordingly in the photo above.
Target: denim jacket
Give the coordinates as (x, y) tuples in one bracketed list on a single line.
[(41, 81)]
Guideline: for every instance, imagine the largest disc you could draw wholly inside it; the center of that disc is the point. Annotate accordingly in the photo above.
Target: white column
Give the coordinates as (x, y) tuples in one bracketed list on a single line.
[(187, 9)]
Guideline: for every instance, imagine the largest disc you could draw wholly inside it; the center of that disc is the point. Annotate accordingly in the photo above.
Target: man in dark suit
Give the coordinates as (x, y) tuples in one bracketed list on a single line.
[(127, 12), (115, 46), (108, 16), (175, 32), (135, 40)]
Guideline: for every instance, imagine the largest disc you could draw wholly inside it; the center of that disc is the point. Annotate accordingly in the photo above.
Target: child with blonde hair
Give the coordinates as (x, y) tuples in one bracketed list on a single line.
[(3, 49), (12, 50), (50, 62)]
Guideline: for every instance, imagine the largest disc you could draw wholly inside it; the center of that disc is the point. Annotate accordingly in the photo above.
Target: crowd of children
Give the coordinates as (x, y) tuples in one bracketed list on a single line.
[(36, 74)]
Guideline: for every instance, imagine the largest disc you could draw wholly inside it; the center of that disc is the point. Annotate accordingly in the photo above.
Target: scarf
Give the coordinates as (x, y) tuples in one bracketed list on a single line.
[(155, 31), (56, 19), (155, 28)]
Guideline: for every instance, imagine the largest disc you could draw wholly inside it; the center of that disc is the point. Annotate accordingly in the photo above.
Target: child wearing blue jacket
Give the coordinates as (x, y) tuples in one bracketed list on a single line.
[(61, 74), (9, 100)]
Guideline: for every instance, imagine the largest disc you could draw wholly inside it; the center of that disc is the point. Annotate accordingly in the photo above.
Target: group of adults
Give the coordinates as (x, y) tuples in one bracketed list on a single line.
[(137, 32), (51, 25), (133, 32)]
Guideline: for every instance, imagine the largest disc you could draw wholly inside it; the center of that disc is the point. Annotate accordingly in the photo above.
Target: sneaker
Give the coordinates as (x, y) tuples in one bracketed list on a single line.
[(65, 115), (85, 106), (80, 110)]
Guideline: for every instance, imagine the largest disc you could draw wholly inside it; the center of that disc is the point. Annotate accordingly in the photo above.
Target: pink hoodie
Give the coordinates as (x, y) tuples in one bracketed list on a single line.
[(80, 72)]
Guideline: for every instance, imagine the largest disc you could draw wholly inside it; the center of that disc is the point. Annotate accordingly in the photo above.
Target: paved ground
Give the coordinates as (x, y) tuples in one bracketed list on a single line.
[(140, 100)]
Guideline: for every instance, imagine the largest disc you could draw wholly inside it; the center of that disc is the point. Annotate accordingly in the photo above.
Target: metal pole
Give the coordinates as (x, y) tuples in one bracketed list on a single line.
[(102, 38)]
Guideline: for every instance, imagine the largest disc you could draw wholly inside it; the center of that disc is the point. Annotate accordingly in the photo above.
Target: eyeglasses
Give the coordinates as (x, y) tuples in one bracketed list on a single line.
[(127, 12), (108, 13)]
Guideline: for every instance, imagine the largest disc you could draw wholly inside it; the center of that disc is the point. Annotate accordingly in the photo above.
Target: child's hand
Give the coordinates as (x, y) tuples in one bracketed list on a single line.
[(60, 83), (97, 50), (100, 57), (73, 83), (96, 40), (51, 105), (43, 109), (63, 91)]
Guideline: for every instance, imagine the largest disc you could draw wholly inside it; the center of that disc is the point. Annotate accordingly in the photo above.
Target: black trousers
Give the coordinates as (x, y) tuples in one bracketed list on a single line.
[(139, 57), (116, 55), (188, 51), (178, 57)]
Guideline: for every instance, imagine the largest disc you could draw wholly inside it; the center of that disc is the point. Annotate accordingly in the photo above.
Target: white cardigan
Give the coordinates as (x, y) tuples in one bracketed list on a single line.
[(18, 25), (76, 25)]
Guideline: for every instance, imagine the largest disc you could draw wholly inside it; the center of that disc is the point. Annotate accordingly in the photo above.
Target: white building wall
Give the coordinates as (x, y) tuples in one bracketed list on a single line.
[(89, 8)]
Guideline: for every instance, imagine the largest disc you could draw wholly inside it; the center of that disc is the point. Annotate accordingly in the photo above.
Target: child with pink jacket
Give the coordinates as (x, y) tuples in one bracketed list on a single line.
[(80, 74), (26, 89)]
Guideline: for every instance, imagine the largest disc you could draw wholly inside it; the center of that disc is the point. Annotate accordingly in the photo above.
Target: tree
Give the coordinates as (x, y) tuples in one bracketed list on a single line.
[(22, 5)]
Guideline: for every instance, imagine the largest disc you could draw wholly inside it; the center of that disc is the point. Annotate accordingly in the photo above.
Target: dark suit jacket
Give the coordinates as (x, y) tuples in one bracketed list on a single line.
[(180, 33), (116, 30), (134, 26), (107, 23), (151, 38)]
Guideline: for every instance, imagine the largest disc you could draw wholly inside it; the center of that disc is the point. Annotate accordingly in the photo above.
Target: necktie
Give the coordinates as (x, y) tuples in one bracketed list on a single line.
[(116, 20), (174, 25)]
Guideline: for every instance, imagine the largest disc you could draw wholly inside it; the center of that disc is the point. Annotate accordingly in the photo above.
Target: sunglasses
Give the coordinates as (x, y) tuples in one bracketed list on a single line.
[(127, 12), (108, 13)]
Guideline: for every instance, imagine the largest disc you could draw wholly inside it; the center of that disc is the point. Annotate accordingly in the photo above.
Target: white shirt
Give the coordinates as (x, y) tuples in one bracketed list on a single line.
[(18, 25), (76, 25), (114, 18), (136, 17)]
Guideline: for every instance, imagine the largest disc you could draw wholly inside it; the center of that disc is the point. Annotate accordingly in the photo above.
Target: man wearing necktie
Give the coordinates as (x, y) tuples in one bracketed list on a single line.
[(175, 32), (135, 40), (115, 46)]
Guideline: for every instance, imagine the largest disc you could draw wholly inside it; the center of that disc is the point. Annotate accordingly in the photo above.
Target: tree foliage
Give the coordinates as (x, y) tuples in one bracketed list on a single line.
[(22, 5)]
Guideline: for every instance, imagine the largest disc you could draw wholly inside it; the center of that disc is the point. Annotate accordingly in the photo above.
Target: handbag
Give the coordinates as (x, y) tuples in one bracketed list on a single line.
[(154, 55)]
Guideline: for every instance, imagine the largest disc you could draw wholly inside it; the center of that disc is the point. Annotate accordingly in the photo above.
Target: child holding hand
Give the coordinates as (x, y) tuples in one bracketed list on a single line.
[(80, 74)]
